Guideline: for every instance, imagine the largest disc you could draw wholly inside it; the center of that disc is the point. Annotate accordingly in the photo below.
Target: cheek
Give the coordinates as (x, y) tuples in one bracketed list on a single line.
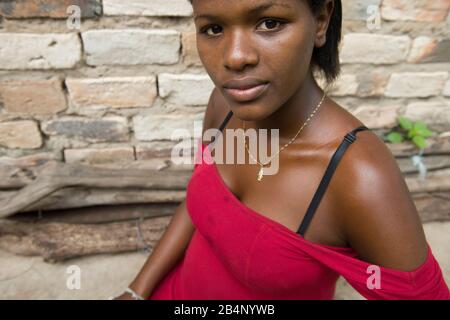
[(291, 52), (289, 62), (209, 58), (203, 50)]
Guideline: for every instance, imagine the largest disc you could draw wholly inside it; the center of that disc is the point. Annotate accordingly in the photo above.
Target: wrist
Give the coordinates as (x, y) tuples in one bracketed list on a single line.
[(134, 294), (139, 289)]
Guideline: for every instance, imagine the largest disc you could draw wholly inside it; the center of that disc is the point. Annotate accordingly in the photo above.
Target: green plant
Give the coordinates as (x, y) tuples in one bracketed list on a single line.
[(416, 132)]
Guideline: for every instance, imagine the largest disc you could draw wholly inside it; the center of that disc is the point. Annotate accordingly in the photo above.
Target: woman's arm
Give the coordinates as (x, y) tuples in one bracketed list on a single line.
[(379, 218), (177, 236), (165, 254), (381, 222)]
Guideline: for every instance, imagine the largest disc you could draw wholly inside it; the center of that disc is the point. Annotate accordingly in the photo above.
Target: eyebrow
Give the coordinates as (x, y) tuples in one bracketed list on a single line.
[(253, 11)]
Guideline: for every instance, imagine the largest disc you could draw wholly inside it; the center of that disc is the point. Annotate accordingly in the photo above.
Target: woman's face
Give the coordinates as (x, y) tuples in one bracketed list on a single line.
[(268, 41)]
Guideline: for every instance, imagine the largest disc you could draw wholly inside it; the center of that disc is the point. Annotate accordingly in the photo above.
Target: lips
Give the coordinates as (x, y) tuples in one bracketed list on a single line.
[(246, 89), (249, 94)]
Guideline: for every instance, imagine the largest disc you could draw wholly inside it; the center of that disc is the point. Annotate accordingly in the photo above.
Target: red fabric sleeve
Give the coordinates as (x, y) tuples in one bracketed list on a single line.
[(424, 283)]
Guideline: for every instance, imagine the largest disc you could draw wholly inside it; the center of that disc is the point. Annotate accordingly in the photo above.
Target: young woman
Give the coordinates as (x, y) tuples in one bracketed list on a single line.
[(290, 235)]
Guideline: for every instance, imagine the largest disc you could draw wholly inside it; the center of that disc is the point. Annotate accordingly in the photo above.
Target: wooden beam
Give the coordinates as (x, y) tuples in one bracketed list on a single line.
[(61, 241), (56, 175)]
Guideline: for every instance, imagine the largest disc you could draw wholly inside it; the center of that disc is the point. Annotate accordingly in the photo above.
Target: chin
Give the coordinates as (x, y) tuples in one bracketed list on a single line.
[(249, 112)]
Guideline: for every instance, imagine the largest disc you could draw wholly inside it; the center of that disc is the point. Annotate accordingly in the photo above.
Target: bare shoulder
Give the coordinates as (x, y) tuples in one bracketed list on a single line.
[(379, 218)]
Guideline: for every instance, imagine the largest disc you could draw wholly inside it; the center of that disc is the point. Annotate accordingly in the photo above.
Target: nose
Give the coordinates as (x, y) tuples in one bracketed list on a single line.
[(239, 51)]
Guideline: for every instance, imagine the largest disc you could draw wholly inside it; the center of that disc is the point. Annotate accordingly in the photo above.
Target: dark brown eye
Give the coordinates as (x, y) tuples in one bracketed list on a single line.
[(270, 23), (214, 29)]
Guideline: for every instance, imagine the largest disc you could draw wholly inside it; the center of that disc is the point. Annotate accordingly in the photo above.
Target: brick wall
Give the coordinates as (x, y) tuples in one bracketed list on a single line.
[(114, 89)]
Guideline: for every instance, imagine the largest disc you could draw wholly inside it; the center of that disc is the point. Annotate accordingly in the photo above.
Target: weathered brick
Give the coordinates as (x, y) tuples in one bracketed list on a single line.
[(39, 51), (108, 129), (33, 97), (99, 156), (147, 8), (426, 49), (371, 83), (20, 134), (375, 116), (185, 89), (156, 149), (190, 52), (117, 92), (446, 91), (435, 114), (345, 85), (357, 9), (36, 159), (131, 46), (48, 8), (418, 10), (374, 48), (416, 84), (161, 127)]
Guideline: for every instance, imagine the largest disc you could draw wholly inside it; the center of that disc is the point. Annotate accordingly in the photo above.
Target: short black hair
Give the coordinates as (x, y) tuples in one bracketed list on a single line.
[(326, 58)]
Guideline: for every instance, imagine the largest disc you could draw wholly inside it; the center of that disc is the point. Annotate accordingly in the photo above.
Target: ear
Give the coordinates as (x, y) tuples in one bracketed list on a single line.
[(323, 19)]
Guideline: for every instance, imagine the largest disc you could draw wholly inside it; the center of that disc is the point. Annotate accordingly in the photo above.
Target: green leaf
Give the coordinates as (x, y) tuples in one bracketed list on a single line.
[(412, 133), (405, 123), (425, 132), (428, 133), (419, 125), (394, 137), (419, 141)]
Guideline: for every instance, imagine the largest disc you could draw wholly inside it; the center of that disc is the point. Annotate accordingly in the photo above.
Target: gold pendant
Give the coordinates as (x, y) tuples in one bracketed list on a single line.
[(260, 174)]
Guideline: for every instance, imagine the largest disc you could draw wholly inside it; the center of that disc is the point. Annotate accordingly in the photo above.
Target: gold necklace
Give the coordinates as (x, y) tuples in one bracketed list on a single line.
[(261, 170)]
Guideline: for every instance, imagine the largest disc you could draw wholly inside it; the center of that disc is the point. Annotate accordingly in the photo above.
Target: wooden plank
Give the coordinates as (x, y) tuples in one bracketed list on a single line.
[(60, 241), (55, 176), (99, 214)]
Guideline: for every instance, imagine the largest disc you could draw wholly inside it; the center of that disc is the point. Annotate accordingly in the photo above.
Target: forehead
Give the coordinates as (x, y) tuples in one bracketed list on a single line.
[(219, 8)]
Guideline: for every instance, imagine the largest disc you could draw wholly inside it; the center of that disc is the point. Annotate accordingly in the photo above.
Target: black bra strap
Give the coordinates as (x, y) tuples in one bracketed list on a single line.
[(348, 139), (224, 123)]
